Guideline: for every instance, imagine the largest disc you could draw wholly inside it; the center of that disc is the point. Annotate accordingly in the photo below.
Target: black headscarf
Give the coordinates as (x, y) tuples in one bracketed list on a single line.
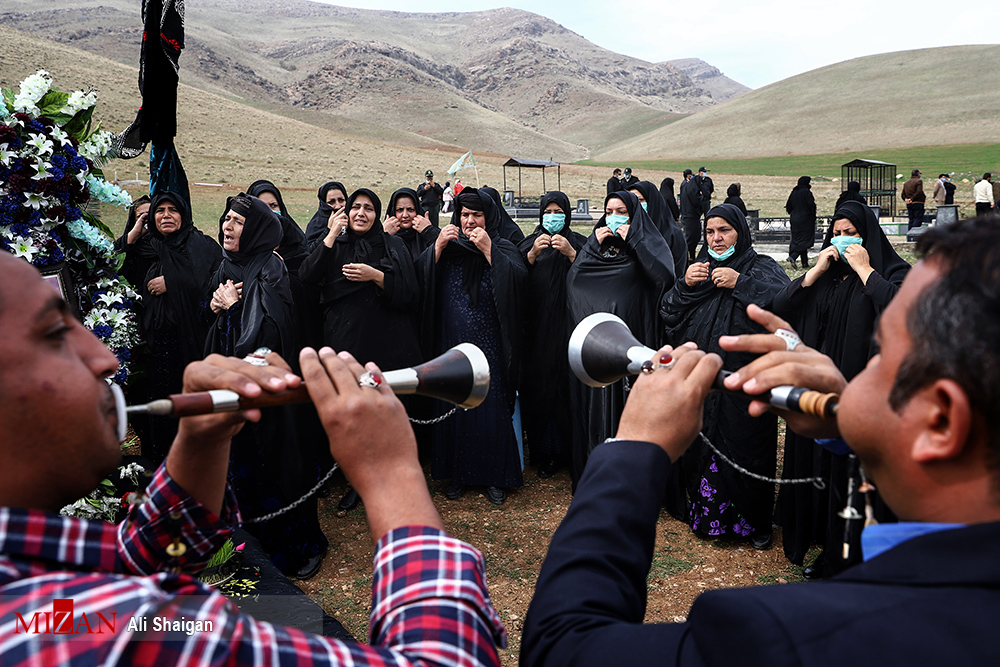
[(354, 248), (852, 193), (667, 192), (317, 229), (266, 290), (416, 242), (463, 249), (733, 197), (508, 228), (293, 241), (800, 198), (665, 222), (186, 259)]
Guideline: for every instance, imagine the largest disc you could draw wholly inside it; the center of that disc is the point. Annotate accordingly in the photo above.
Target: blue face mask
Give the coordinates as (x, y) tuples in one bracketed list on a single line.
[(722, 256), (614, 221), (644, 205), (841, 243), (553, 222)]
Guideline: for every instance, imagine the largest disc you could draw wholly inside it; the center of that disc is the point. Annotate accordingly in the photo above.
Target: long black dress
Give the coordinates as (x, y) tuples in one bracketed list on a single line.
[(317, 229), (667, 192), (276, 460), (724, 502), (669, 228), (626, 278), (467, 299), (801, 206), (373, 323), (836, 315), (416, 242), (545, 375), (173, 324)]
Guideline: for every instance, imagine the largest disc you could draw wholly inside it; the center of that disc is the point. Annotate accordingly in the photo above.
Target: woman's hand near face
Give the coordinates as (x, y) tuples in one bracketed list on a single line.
[(449, 233), (541, 243), (824, 261), (336, 224), (562, 244), (603, 233), (858, 259)]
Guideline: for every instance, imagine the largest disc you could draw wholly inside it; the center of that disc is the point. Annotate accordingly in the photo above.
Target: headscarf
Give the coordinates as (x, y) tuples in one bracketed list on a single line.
[(317, 229), (354, 248), (266, 290), (293, 241), (411, 237), (130, 221), (852, 193), (463, 249), (562, 201), (186, 259), (733, 190), (794, 196), (508, 228), (881, 255)]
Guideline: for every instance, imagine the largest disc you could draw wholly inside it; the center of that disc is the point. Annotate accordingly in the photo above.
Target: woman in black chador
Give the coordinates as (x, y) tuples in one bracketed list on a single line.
[(710, 302), (368, 288), (474, 283), (651, 200), (275, 461), (405, 219), (669, 198), (834, 307), (734, 196), (801, 206), (170, 263), (332, 197), (852, 193), (549, 251), (624, 268)]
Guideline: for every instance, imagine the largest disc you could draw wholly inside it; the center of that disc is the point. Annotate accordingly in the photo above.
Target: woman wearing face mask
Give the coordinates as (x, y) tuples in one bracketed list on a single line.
[(474, 283), (834, 307), (275, 461), (651, 200), (405, 219), (710, 302), (624, 268), (332, 198), (549, 251)]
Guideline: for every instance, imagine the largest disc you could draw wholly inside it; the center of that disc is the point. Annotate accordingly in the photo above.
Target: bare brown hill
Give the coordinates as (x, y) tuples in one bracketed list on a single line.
[(503, 81)]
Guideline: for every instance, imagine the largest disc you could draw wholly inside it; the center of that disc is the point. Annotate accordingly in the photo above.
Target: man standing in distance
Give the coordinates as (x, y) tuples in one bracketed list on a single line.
[(983, 193), (913, 195), (690, 195), (431, 195), (706, 187), (615, 182)]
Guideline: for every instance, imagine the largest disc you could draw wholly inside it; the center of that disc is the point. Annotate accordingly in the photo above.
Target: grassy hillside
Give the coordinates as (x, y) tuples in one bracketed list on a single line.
[(890, 101)]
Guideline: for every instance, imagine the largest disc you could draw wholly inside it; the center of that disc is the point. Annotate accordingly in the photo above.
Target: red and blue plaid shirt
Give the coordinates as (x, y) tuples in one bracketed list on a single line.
[(77, 592)]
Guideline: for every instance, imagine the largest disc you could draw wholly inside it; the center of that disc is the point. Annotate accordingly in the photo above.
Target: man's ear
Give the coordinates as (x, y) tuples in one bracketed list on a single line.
[(945, 419)]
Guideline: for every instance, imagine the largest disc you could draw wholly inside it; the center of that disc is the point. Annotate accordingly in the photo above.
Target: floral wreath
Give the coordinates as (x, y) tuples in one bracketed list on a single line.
[(50, 154)]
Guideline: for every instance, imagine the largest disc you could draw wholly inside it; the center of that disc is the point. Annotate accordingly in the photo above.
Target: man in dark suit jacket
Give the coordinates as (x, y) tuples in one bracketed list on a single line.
[(924, 418), (690, 196)]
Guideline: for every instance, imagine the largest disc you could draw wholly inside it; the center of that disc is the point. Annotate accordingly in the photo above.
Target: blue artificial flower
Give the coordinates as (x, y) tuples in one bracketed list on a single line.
[(14, 143), (103, 331), (20, 229), (34, 218), (4, 173), (55, 173), (36, 126), (69, 150), (59, 161), (124, 354), (121, 376), (78, 164), (57, 255), (73, 213)]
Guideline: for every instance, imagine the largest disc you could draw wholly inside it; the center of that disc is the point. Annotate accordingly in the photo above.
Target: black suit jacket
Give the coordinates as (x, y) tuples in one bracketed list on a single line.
[(933, 600)]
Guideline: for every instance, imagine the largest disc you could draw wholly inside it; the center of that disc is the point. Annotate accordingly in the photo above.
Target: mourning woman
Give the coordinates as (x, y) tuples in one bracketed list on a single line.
[(332, 198), (651, 200), (170, 263), (667, 192), (624, 268), (548, 251), (292, 250), (801, 207), (368, 289), (272, 462), (734, 196), (710, 302), (852, 193), (834, 308), (405, 219), (474, 283), (508, 228)]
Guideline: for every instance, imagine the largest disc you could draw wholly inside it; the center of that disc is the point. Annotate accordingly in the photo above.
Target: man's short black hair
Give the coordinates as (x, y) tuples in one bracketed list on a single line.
[(915, 173), (954, 325), (987, 176)]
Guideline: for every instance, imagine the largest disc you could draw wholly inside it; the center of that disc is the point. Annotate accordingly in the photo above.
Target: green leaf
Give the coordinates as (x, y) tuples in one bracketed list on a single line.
[(77, 128), (96, 222), (52, 102), (8, 99)]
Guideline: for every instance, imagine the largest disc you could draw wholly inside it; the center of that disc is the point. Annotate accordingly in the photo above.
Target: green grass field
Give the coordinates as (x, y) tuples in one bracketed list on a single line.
[(966, 159)]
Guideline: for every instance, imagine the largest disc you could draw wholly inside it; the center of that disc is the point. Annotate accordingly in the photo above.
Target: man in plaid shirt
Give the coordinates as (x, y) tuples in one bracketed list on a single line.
[(83, 593)]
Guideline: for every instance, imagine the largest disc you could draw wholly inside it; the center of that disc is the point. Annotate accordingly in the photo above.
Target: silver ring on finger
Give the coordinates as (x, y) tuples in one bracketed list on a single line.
[(791, 338), (256, 358)]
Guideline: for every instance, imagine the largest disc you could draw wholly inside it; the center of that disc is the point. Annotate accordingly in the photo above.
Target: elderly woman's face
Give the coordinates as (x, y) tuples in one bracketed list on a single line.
[(232, 229), (167, 217), (336, 199), (472, 220), (845, 227), (406, 211), (720, 235), (362, 214)]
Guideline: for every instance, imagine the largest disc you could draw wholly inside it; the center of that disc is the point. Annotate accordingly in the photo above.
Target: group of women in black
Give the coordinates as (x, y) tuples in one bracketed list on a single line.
[(390, 287)]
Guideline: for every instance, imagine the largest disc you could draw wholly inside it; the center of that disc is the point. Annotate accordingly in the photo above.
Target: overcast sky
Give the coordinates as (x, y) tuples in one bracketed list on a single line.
[(754, 42)]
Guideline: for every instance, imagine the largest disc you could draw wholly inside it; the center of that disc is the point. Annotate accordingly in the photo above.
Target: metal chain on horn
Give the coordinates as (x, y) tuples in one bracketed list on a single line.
[(818, 482), (329, 474)]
